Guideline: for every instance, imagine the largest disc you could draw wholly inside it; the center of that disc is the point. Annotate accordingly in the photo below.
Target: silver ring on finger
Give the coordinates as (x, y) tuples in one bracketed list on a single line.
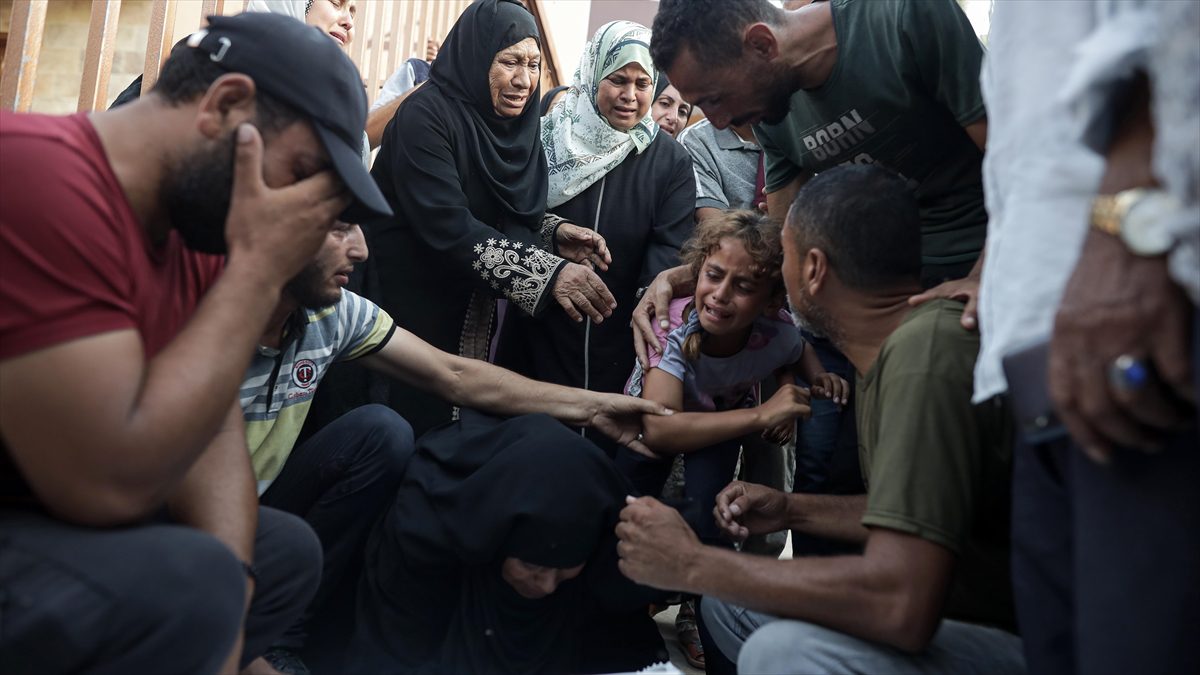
[(1127, 373)]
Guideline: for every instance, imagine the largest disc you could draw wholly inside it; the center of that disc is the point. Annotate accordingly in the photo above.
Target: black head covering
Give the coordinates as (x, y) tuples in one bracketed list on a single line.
[(526, 488), (548, 99), (662, 85), (478, 491), (508, 150)]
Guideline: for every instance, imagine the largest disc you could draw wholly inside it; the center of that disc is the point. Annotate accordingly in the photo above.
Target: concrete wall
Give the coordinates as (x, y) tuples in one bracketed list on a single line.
[(60, 64)]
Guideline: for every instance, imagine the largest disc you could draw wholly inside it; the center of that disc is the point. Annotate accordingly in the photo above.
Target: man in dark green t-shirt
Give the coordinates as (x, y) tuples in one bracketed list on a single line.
[(930, 592), (887, 82)]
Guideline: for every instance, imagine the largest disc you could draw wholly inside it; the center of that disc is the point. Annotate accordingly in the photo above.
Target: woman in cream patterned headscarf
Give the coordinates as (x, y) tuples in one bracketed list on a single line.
[(611, 172), (582, 142)]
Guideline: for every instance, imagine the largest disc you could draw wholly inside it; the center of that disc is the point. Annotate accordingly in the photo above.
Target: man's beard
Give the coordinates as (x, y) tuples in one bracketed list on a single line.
[(776, 109), (196, 194), (779, 104), (817, 318), (308, 288)]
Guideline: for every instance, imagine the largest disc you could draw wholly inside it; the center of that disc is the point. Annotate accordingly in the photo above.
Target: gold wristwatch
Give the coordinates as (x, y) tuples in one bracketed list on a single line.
[(1138, 216)]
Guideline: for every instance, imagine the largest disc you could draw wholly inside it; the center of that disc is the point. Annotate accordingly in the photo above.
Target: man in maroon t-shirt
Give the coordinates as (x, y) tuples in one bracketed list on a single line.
[(132, 536)]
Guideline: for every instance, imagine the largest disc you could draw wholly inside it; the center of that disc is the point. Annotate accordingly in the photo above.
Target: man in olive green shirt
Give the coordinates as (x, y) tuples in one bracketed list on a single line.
[(930, 592)]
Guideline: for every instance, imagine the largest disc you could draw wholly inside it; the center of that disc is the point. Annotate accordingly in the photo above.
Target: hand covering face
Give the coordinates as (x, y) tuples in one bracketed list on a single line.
[(581, 146)]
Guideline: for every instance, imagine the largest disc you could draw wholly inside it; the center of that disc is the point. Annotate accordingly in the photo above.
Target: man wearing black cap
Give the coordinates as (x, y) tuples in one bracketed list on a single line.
[(132, 538)]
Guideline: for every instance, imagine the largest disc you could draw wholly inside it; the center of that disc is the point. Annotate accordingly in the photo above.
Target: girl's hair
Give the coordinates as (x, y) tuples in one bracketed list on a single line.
[(758, 234)]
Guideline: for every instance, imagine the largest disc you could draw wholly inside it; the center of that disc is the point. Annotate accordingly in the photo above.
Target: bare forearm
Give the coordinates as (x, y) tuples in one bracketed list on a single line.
[(977, 131), (218, 494), (378, 119), (686, 432), (478, 384), (830, 516), (842, 593), (139, 436), (780, 201), (190, 384)]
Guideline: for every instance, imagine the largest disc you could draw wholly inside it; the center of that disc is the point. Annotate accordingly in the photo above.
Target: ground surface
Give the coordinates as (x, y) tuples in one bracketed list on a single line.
[(666, 626)]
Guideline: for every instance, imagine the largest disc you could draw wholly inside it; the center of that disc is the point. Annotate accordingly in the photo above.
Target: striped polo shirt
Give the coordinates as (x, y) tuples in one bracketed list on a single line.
[(280, 383)]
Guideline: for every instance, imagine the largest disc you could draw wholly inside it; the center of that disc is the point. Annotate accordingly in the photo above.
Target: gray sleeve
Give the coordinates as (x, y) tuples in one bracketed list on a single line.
[(709, 190)]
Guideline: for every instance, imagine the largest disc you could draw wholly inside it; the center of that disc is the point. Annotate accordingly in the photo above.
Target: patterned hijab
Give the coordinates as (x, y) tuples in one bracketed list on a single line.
[(581, 146)]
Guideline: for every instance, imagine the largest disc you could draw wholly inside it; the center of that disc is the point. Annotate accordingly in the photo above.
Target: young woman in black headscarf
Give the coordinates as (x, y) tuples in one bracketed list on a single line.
[(463, 169), (499, 546)]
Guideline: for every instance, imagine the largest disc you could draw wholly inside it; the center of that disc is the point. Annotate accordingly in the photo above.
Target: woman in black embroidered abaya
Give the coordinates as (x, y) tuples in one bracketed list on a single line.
[(463, 170), (609, 170)]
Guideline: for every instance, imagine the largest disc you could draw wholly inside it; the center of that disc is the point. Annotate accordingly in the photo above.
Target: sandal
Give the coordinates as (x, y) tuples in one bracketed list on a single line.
[(689, 635)]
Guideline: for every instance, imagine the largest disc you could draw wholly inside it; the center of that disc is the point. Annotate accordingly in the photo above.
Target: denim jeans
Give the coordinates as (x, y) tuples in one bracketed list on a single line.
[(153, 598), (827, 449), (761, 643), (829, 435)]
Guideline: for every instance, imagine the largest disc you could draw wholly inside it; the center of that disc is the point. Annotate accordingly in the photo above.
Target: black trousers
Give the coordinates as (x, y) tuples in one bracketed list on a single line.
[(1106, 559), (155, 598), (339, 481)]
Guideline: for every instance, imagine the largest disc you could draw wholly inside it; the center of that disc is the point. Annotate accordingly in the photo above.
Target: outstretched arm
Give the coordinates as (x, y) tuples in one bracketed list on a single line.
[(893, 593), (481, 385)]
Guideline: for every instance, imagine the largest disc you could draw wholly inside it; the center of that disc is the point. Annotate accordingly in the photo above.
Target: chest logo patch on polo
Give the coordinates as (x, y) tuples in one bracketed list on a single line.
[(304, 373)]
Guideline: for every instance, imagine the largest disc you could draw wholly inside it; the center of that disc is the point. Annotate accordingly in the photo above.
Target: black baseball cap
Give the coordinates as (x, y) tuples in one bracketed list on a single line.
[(304, 68)]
